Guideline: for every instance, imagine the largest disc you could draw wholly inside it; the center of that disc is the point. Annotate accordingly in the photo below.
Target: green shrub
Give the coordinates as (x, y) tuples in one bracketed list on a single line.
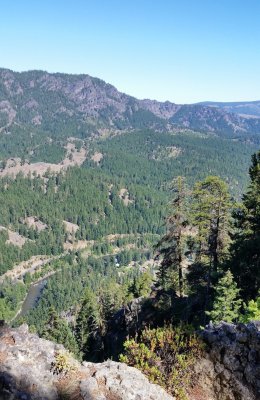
[(166, 356), (63, 364), (251, 311)]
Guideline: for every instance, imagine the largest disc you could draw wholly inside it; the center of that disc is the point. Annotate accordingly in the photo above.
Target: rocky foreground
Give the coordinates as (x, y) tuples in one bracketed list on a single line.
[(32, 368), (230, 369)]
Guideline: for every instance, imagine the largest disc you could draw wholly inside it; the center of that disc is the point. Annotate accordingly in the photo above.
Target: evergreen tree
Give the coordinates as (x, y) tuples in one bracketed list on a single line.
[(172, 245), (251, 311), (211, 219), (59, 331), (245, 251), (227, 304), (211, 216), (141, 285), (88, 321)]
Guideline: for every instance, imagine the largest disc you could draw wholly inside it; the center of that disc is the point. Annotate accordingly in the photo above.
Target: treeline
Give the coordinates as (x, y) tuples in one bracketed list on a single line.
[(210, 253), (142, 162)]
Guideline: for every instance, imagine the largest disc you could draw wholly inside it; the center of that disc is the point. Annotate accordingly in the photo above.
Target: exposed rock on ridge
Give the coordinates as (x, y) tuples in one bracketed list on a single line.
[(26, 372), (231, 369), (40, 102)]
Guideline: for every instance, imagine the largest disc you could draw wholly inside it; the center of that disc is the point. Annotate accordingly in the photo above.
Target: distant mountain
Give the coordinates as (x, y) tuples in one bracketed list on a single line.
[(216, 120), (244, 108), (45, 105)]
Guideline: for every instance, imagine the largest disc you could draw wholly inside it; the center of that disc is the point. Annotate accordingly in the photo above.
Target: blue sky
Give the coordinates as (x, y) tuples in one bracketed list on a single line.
[(183, 51)]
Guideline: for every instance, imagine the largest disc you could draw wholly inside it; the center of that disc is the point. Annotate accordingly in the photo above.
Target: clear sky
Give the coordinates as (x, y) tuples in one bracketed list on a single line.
[(183, 51)]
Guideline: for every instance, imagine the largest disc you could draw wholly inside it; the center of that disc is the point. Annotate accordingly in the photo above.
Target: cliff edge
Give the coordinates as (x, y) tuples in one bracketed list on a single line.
[(230, 369), (36, 369)]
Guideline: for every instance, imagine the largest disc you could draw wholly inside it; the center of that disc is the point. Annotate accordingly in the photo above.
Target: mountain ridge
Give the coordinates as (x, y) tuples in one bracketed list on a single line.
[(58, 103), (243, 108)]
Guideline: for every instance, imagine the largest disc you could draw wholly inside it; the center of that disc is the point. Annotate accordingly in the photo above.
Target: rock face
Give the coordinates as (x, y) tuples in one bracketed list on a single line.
[(45, 99), (231, 368), (30, 369)]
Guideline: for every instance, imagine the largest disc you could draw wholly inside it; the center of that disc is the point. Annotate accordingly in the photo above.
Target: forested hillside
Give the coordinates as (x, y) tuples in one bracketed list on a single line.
[(202, 266), (113, 206), (37, 107)]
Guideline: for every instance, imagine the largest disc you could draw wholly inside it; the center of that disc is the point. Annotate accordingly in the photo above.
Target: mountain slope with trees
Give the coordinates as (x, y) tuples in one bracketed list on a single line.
[(158, 224), (36, 107)]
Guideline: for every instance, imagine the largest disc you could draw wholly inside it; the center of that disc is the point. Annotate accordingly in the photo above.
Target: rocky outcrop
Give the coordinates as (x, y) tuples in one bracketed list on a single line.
[(231, 367), (45, 99), (36, 369)]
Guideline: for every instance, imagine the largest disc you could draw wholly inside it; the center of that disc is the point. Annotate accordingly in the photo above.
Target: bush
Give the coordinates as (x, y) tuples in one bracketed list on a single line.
[(62, 365), (251, 311), (166, 356)]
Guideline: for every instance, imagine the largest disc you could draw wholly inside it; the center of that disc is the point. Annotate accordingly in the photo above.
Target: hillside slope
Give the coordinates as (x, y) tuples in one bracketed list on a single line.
[(37, 103)]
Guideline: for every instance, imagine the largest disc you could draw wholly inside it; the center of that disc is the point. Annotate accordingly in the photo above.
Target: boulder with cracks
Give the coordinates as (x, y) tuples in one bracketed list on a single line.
[(230, 369)]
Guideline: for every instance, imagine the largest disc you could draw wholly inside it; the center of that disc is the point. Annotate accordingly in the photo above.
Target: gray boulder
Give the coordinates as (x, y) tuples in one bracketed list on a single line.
[(30, 370)]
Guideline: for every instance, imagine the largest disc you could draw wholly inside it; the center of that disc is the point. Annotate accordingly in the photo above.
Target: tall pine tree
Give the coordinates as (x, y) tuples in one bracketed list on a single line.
[(211, 216), (246, 248), (172, 245)]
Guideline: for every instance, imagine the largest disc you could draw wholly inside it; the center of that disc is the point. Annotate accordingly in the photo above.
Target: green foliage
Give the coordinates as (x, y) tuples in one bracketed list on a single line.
[(251, 311), (88, 321), (172, 245), (166, 356), (74, 274), (141, 286), (57, 330), (62, 365), (142, 157), (211, 215), (246, 248), (227, 304), (11, 296), (80, 197)]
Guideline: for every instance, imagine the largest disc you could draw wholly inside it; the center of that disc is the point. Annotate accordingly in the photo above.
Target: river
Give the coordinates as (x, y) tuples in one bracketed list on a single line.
[(32, 297)]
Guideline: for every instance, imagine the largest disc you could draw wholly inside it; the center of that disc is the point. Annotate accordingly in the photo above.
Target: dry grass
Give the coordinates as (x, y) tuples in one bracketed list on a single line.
[(36, 223), (70, 227), (73, 158), (68, 386), (124, 196), (97, 157)]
